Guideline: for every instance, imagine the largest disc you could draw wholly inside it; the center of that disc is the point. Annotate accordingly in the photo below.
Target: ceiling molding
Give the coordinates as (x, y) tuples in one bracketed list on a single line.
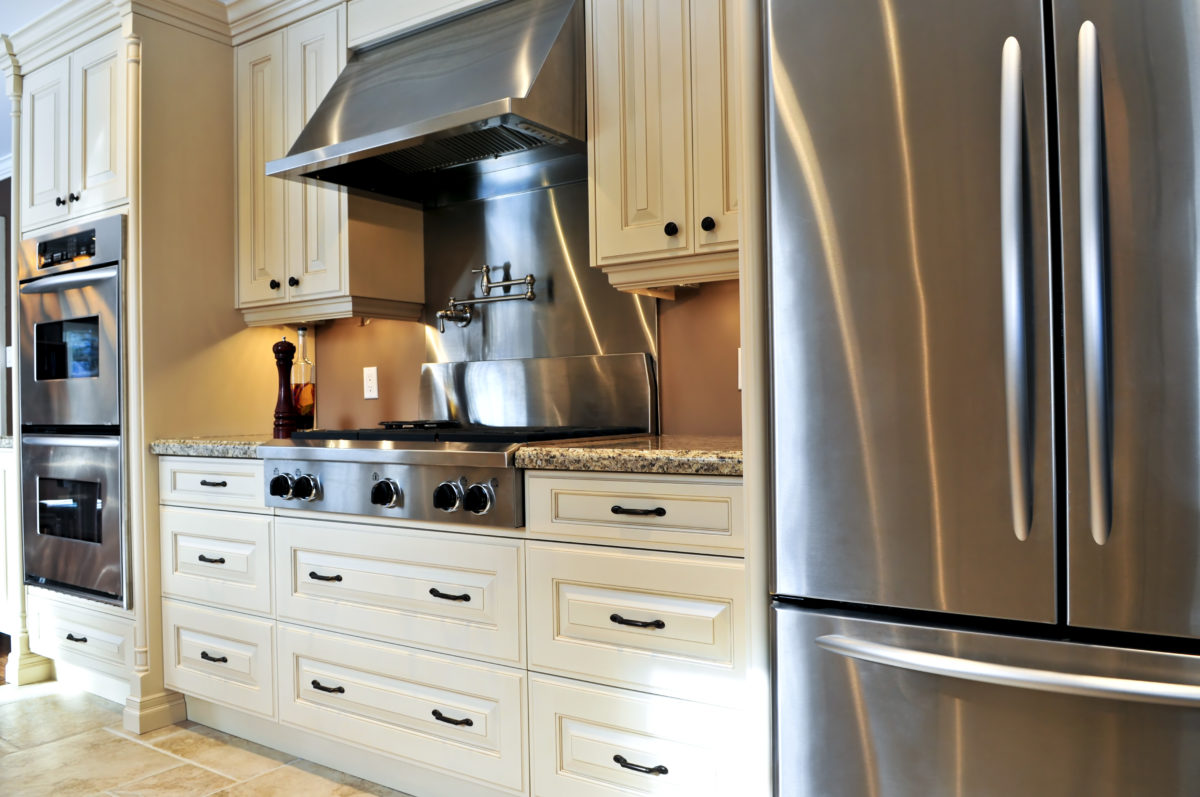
[(61, 30), (249, 19), (208, 18)]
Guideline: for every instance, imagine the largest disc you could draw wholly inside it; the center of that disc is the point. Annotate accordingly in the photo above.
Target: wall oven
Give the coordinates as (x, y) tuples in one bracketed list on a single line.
[(70, 375)]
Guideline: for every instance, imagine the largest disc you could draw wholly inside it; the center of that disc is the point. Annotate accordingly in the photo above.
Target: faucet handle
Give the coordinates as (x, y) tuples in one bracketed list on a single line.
[(485, 284)]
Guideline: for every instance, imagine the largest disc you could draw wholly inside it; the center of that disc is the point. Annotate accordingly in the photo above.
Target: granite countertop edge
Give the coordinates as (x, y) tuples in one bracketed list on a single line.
[(232, 448)]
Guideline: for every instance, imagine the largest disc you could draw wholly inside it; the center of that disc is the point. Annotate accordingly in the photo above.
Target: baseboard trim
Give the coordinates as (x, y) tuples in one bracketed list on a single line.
[(145, 714)]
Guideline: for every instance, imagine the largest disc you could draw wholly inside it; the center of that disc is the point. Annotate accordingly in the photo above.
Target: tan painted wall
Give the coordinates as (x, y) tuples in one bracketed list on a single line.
[(344, 348), (697, 342)]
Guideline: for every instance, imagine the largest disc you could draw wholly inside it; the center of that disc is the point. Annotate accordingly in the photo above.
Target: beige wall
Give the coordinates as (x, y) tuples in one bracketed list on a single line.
[(698, 340), (697, 344)]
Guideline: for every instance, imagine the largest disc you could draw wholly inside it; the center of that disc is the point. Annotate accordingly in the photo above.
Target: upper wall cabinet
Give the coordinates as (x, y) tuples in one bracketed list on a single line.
[(73, 134), (375, 20), (663, 115), (305, 252)]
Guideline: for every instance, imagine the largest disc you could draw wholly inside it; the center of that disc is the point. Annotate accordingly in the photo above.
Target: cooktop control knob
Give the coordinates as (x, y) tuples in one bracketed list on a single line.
[(306, 488), (448, 496), (480, 499), (386, 493), (281, 486)]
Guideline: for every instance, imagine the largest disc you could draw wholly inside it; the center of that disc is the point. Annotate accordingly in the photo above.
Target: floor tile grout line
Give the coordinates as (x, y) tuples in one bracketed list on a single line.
[(149, 745)]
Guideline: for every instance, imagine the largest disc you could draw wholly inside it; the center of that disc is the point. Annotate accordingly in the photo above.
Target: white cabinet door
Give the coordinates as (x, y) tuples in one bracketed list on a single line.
[(44, 144), (716, 121), (262, 272), (315, 53), (640, 129), (97, 129)]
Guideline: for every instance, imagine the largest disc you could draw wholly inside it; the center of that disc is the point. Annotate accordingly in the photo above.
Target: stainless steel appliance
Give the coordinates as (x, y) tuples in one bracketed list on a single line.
[(986, 395), (70, 304), (456, 469), (70, 373)]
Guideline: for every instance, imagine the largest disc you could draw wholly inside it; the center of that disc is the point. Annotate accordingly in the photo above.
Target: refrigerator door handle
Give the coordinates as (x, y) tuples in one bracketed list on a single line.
[(1138, 691), (1012, 249), (1091, 233)]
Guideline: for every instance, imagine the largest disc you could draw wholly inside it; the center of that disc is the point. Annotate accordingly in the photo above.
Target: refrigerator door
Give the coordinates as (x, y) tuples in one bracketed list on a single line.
[(910, 304), (871, 708), (1129, 101)]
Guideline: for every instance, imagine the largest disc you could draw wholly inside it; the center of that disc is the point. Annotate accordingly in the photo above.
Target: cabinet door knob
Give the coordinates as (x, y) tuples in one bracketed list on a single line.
[(59, 201), (293, 281), (274, 285), (72, 197), (671, 229), (708, 224)]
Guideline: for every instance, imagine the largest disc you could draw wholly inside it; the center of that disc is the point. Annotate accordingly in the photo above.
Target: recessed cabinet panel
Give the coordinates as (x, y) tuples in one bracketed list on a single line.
[(716, 124), (222, 558), (44, 144), (98, 173), (641, 128), (261, 250)]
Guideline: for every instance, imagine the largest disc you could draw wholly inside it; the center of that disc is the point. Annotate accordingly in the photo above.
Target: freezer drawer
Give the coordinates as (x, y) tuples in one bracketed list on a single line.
[(869, 707)]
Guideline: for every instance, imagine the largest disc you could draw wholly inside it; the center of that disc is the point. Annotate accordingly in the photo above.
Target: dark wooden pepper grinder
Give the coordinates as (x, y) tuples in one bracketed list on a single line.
[(285, 408)]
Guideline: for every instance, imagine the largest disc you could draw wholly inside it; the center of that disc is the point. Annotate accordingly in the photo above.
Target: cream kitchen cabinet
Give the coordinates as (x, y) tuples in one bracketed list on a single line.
[(372, 21), (663, 118), (308, 252), (73, 134)]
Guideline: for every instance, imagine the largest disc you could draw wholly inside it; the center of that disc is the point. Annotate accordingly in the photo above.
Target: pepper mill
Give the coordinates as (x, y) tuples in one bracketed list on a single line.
[(285, 408)]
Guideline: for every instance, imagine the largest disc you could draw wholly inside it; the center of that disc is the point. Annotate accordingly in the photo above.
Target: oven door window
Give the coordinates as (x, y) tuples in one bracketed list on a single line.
[(69, 509), (67, 349)]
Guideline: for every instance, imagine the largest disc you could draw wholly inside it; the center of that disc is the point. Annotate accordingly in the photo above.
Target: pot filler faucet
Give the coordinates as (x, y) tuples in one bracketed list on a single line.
[(459, 310)]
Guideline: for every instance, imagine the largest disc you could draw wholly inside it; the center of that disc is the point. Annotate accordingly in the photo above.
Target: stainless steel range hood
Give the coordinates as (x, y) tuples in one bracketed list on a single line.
[(489, 90)]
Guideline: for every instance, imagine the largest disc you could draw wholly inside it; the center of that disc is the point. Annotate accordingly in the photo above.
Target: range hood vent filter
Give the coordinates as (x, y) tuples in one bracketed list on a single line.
[(461, 149)]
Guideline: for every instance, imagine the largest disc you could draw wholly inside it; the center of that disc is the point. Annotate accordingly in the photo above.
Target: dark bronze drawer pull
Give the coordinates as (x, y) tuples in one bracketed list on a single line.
[(623, 761), (657, 511), (319, 577), (440, 717), (72, 638), (220, 560), (619, 620), (218, 659), (205, 483), (437, 593), (337, 690)]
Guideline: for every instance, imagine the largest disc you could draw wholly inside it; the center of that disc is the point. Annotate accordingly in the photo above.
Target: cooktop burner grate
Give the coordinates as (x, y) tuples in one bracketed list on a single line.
[(454, 432)]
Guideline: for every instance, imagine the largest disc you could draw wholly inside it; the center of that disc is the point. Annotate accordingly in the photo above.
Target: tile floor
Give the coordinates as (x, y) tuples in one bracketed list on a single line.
[(59, 743)]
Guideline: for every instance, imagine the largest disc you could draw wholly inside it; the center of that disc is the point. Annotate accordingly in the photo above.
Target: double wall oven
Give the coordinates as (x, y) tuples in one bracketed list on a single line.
[(70, 377)]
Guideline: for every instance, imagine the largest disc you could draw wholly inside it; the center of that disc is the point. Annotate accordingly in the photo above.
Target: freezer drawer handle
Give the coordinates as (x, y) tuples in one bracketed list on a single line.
[(437, 593), (220, 560), (72, 638), (627, 764), (440, 717), (1064, 683), (207, 483), (619, 620), (218, 659), (314, 574), (657, 511), (337, 690)]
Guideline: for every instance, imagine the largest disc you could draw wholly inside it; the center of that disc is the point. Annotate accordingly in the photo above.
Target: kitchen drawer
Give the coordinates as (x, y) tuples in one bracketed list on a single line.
[(205, 482), (220, 656), (388, 698), (385, 583), (98, 640), (688, 513), (578, 730), (221, 558), (583, 602)]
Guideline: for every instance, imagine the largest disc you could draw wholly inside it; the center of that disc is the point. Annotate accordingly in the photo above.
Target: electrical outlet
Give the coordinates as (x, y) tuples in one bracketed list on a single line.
[(371, 382)]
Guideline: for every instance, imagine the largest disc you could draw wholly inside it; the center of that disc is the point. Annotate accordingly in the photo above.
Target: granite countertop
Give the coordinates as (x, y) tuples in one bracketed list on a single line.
[(237, 446), (687, 454)]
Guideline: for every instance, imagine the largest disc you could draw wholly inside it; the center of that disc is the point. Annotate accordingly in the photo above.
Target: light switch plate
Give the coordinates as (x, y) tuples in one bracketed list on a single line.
[(371, 382)]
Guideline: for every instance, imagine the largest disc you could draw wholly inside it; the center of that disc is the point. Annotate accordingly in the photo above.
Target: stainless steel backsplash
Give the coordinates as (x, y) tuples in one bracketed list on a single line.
[(543, 232)]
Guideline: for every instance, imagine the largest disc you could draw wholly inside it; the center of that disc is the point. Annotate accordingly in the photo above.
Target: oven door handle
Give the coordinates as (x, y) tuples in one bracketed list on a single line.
[(72, 441), (72, 279)]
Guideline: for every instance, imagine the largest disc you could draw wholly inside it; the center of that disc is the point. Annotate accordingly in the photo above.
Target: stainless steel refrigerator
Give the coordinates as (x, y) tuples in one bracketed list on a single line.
[(984, 226)]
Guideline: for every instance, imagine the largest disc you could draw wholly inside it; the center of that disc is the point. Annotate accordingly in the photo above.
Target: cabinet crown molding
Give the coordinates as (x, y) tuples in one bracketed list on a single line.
[(249, 19)]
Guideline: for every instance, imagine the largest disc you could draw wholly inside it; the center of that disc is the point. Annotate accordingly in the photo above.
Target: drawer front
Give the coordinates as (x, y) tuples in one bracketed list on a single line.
[(220, 656), (204, 482), (463, 717), (79, 635), (580, 734), (433, 589), (669, 623), (220, 558), (675, 512)]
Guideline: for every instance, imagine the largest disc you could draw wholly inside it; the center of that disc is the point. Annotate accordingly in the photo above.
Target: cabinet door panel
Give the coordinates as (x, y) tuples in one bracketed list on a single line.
[(641, 156), (261, 232), (315, 214), (98, 174), (716, 121), (44, 144)]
